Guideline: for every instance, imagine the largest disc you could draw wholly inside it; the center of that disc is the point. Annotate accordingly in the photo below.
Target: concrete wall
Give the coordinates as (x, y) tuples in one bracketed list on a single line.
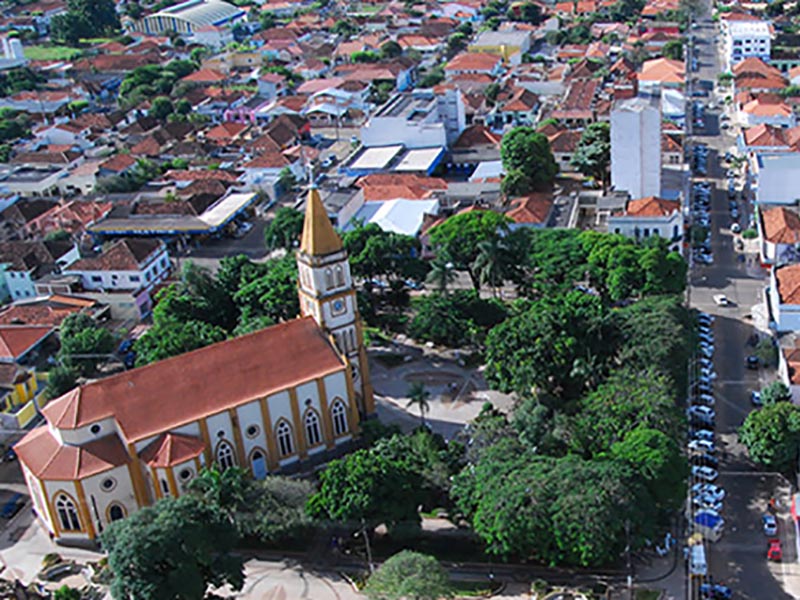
[(636, 150)]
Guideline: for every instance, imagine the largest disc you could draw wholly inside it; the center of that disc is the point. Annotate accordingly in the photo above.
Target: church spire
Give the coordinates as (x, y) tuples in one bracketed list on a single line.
[(319, 238)]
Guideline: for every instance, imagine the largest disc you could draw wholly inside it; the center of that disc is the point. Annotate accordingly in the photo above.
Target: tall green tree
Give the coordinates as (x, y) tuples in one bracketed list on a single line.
[(777, 391), (494, 263), (173, 550), (409, 576), (593, 154), (442, 273), (81, 335), (269, 290), (85, 19), (772, 436), (528, 153), (285, 229), (418, 396), (673, 49)]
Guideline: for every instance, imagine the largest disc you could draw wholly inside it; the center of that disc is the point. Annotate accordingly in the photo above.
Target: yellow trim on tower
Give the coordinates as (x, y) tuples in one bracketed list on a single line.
[(269, 435), (327, 424), (156, 483), (352, 414), (206, 441), (139, 487), (51, 511), (83, 507), (197, 465), (298, 424), (237, 438), (173, 487)]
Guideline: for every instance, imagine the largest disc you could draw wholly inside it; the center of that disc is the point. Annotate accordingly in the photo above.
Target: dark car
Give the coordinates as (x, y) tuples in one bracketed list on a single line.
[(752, 362), (12, 507), (716, 591), (705, 460)]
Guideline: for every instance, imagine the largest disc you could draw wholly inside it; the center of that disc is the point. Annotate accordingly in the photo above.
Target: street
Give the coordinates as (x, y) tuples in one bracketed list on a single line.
[(739, 558)]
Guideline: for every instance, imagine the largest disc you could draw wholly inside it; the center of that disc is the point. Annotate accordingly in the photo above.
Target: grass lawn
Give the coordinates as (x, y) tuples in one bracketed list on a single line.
[(473, 589), (647, 594), (51, 52)]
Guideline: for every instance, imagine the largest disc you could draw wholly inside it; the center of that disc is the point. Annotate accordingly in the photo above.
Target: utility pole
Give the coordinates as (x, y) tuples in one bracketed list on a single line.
[(366, 544)]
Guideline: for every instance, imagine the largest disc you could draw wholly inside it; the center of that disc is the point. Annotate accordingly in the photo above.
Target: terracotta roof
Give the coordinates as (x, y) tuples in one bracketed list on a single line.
[(50, 460), (205, 76), (268, 160), (651, 207), (179, 390), (533, 209), (565, 141), (761, 108), (199, 174), (122, 255), (792, 356), (670, 144), (663, 70), (473, 61), (226, 131), (319, 238), (16, 340), (780, 225), (521, 101), (118, 163), (765, 135), (788, 280), (477, 135), (36, 314), (171, 449)]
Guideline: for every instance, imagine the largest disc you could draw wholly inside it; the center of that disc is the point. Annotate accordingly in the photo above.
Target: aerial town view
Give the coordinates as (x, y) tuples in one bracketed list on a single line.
[(399, 300)]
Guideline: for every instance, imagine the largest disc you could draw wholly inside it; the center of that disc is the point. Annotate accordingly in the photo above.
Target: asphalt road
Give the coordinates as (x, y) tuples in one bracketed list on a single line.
[(739, 558)]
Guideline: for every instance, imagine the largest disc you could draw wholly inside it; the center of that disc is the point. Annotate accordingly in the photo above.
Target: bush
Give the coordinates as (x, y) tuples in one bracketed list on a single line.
[(749, 234)]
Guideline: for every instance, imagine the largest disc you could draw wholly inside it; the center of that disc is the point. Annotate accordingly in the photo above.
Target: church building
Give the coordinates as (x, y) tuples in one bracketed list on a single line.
[(268, 401)]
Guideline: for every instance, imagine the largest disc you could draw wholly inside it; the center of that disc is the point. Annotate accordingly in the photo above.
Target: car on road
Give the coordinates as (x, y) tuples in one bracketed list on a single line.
[(736, 228), (770, 525), (708, 488), (755, 398), (721, 300), (705, 446), (704, 473), (715, 591), (708, 502), (12, 506), (774, 550), (752, 362)]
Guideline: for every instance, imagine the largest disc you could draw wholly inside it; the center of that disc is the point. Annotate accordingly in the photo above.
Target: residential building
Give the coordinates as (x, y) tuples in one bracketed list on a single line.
[(743, 39), (779, 229), (23, 263), (784, 297), (532, 211), (19, 388), (112, 446), (126, 264), (510, 45), (773, 178), (789, 369), (636, 148), (645, 217), (475, 63), (660, 73)]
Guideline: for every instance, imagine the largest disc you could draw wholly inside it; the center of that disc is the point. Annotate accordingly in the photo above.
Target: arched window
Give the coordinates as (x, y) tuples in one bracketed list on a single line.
[(258, 462), (285, 438), (313, 435), (225, 456), (328, 279), (115, 512), (339, 276), (67, 513), (339, 418)]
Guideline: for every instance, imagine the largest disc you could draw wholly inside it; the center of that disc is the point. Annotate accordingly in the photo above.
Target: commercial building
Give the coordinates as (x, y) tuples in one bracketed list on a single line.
[(189, 18), (636, 148), (743, 39)]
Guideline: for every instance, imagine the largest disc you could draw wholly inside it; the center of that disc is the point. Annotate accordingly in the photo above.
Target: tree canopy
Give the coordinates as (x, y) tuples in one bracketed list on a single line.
[(285, 229), (85, 19), (409, 576), (772, 436), (593, 155), (528, 161)]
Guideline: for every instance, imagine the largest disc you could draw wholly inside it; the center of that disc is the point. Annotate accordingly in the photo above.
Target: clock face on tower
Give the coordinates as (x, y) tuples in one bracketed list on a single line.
[(338, 306)]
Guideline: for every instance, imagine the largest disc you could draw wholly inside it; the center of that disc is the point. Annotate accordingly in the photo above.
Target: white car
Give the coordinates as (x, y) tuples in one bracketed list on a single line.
[(703, 434), (702, 446), (714, 491), (707, 501), (704, 473), (706, 399), (770, 525), (721, 300)]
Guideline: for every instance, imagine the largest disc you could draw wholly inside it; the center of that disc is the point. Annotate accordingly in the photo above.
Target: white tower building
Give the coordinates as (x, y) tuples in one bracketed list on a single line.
[(636, 148)]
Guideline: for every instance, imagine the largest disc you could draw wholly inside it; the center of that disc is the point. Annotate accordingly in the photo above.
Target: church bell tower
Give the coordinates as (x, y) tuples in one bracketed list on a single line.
[(327, 293)]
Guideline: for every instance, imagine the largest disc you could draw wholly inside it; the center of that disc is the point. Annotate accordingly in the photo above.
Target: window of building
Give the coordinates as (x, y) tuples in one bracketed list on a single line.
[(285, 439), (313, 435), (185, 474), (97, 278), (108, 484), (339, 276), (164, 263), (134, 278), (339, 418), (225, 456), (115, 512), (67, 513), (147, 276), (165, 487), (252, 431), (328, 279)]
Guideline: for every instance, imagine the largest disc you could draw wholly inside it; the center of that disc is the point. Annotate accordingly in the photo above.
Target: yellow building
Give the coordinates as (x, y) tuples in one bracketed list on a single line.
[(276, 400), (18, 390)]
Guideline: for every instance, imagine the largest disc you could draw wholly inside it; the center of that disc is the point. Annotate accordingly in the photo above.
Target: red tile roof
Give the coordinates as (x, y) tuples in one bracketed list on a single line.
[(788, 280), (171, 449), (473, 61), (652, 207), (780, 225), (182, 389), (16, 340), (205, 76), (533, 209), (122, 255)]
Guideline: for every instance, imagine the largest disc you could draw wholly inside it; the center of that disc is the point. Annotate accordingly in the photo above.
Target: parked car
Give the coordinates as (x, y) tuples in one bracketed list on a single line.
[(706, 501), (715, 591), (704, 473), (752, 362), (755, 398), (774, 550), (721, 300), (770, 525), (12, 506), (736, 228), (705, 446), (708, 488), (704, 460), (702, 434)]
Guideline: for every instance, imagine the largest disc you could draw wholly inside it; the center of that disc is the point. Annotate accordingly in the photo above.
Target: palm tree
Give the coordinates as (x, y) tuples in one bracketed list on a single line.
[(491, 264), (418, 395), (441, 274)]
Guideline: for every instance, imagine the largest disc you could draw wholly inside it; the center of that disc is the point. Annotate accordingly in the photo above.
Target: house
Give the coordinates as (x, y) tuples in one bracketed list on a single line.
[(130, 439), (474, 63), (784, 297), (779, 232), (19, 388), (531, 211), (50, 310), (789, 369), (22, 263), (644, 217), (520, 108), (671, 150), (743, 39), (127, 264), (767, 110), (506, 44), (563, 144), (476, 143), (33, 181), (661, 73), (763, 138), (773, 177), (264, 171), (64, 134)]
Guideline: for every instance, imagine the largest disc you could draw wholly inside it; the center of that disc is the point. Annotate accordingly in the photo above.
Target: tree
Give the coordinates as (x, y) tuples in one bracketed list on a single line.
[(441, 274), (456, 43), (493, 262), (775, 392), (172, 337), (172, 550), (365, 489), (269, 290), (391, 49), (66, 593), (455, 320), (673, 49), (526, 151), (286, 179), (375, 253), (418, 396), (411, 576), (60, 380), (593, 155), (527, 12), (365, 56), (266, 19), (344, 28), (491, 92), (767, 352), (68, 28), (772, 436), (459, 238), (80, 334), (161, 108), (285, 229), (85, 19)]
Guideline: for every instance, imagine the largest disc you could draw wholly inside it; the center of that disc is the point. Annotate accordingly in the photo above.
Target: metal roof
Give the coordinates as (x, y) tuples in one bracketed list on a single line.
[(201, 12)]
